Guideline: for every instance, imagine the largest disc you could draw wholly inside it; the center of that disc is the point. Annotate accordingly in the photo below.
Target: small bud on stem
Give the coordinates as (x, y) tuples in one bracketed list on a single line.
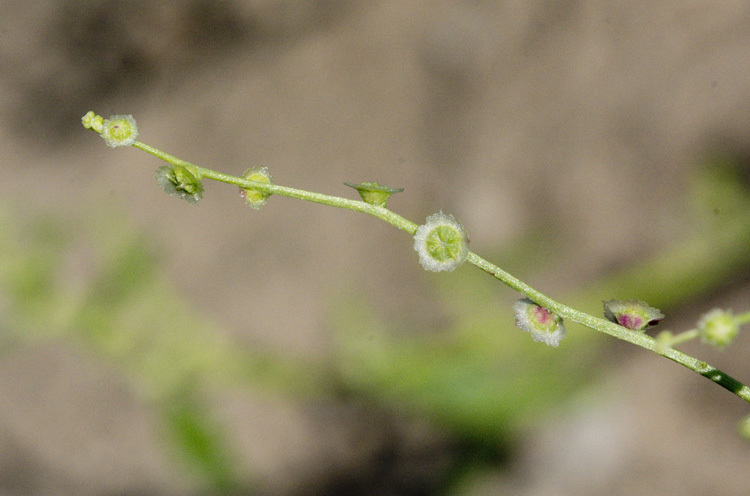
[(441, 242), (179, 181), (633, 314), (253, 197), (374, 193), (119, 130), (718, 327), (543, 325)]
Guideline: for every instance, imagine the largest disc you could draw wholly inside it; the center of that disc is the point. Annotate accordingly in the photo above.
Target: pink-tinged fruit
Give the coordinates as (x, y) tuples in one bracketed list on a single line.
[(633, 314), (543, 325)]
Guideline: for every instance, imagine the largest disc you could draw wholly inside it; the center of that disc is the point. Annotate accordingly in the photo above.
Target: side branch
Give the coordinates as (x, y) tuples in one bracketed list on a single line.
[(620, 332)]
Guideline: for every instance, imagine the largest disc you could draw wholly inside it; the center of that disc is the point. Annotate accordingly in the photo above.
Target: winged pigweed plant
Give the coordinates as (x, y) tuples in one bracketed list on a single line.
[(442, 245)]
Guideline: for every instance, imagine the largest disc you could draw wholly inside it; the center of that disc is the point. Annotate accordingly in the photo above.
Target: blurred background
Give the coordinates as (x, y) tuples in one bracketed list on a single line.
[(596, 150)]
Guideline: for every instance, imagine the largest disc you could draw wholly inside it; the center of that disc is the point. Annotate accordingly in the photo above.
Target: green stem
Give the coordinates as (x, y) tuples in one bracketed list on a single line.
[(682, 337), (274, 189), (607, 327), (564, 311)]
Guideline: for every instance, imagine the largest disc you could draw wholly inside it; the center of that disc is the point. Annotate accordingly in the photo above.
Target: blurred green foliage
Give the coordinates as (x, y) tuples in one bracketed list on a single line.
[(89, 278)]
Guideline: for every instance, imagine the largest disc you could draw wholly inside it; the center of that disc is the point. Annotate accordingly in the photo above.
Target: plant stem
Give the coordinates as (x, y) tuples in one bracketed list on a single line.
[(334, 201), (682, 337), (607, 327), (564, 311)]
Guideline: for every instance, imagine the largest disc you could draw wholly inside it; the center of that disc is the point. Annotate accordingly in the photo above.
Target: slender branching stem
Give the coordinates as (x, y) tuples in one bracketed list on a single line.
[(635, 337), (274, 189), (607, 327)]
